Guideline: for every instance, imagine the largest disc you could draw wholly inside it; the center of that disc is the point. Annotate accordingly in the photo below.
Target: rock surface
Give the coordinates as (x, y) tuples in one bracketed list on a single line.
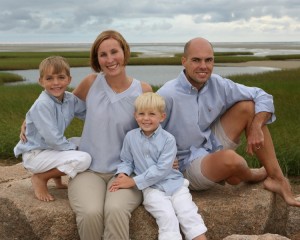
[(246, 211), (256, 237)]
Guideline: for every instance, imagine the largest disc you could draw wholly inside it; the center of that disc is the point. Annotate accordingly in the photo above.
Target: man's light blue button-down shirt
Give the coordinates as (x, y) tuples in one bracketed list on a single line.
[(190, 112)]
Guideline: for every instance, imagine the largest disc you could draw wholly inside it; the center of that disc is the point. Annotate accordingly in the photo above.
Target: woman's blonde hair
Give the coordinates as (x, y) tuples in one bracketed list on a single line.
[(57, 64), (150, 100), (102, 37)]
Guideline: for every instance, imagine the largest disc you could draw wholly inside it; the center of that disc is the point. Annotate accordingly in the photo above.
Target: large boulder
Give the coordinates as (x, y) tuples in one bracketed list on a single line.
[(246, 209)]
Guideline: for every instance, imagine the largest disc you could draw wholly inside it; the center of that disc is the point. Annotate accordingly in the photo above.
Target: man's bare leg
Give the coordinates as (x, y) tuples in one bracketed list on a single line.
[(275, 182), (259, 174), (238, 120), (229, 166), (39, 183)]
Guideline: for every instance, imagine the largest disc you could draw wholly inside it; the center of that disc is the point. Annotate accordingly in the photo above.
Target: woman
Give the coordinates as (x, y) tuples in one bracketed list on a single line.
[(109, 94)]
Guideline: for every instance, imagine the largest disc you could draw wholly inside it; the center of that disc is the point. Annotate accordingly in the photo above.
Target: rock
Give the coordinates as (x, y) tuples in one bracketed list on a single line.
[(293, 222), (246, 209), (256, 237)]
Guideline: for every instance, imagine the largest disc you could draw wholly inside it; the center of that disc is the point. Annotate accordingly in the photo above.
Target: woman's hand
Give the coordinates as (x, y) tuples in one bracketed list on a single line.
[(22, 133)]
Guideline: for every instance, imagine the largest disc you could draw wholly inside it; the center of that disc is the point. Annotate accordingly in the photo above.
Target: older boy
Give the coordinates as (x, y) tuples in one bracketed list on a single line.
[(47, 153)]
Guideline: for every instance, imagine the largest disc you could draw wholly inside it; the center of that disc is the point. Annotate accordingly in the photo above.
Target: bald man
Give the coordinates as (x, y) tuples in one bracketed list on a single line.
[(207, 114)]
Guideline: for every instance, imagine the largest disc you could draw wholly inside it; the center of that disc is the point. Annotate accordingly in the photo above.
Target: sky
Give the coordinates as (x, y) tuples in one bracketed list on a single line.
[(149, 21)]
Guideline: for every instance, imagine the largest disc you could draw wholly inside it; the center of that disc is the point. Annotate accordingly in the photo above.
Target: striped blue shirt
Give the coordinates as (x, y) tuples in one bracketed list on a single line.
[(47, 120), (151, 159), (190, 112)]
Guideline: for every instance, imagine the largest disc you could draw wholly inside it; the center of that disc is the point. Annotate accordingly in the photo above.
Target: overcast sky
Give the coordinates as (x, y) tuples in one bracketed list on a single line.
[(152, 21)]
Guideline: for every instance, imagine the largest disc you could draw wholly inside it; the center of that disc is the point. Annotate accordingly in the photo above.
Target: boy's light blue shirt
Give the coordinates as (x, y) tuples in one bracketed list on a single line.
[(190, 112), (151, 159), (47, 120)]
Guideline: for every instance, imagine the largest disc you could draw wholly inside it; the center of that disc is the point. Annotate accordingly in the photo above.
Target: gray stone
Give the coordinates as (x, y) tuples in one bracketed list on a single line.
[(256, 237), (246, 209)]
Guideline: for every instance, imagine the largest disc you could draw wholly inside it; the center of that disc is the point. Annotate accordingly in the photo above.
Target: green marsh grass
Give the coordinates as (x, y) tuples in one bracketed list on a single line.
[(283, 85), (31, 60), (9, 77)]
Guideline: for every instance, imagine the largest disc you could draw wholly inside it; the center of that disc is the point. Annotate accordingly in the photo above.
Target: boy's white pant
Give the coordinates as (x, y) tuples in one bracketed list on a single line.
[(69, 162), (170, 211)]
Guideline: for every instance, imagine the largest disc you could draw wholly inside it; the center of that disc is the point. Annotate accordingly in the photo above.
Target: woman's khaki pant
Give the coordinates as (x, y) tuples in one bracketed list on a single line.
[(100, 213)]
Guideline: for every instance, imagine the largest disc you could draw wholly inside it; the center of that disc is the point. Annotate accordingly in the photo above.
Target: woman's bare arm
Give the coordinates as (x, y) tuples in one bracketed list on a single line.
[(83, 88)]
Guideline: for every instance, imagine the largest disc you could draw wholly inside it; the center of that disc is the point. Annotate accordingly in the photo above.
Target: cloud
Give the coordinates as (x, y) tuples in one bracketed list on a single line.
[(147, 21)]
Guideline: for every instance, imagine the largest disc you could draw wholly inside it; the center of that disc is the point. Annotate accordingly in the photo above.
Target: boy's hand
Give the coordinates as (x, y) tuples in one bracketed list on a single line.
[(122, 181), (176, 164)]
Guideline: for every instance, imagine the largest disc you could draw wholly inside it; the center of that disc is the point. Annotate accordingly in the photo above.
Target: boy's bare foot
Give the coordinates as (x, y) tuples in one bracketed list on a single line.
[(40, 189), (283, 188), (258, 174), (59, 184)]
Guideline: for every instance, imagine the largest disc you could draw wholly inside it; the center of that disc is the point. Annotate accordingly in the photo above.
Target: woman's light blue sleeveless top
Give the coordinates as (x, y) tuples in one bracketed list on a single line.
[(109, 117)]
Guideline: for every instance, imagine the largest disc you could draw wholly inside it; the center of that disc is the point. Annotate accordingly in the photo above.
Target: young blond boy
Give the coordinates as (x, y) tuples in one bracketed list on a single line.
[(47, 153), (149, 153)]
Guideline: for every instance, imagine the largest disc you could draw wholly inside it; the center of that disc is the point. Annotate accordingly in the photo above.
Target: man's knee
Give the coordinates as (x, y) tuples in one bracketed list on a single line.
[(233, 161), (245, 108), (237, 119)]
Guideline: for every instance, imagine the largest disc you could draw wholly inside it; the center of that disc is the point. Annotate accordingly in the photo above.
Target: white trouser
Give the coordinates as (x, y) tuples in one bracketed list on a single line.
[(69, 162), (170, 211)]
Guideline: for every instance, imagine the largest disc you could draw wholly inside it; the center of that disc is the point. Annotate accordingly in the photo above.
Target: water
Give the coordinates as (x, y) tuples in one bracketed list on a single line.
[(154, 75), (257, 48), (158, 75), (164, 49)]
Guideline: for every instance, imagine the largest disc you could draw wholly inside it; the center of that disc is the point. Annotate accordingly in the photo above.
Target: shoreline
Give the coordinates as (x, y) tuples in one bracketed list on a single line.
[(285, 64)]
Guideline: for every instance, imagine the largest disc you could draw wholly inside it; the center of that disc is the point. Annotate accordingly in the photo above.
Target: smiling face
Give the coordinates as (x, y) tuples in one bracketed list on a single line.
[(149, 119), (149, 112), (55, 83), (111, 57), (198, 61)]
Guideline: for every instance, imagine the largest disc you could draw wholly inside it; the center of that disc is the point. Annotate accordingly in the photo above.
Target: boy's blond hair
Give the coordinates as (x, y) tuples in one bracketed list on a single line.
[(150, 100), (57, 64)]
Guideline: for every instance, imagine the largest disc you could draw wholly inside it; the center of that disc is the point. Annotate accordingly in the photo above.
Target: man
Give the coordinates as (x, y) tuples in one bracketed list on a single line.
[(207, 115)]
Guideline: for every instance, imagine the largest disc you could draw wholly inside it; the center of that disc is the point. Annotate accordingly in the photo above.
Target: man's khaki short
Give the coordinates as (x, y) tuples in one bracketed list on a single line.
[(193, 172)]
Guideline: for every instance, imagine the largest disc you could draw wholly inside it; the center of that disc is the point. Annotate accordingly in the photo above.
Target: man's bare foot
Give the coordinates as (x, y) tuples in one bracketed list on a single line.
[(40, 189), (59, 184), (283, 188), (258, 174)]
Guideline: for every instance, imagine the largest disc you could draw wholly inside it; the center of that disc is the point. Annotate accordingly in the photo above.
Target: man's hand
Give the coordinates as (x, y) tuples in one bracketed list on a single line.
[(122, 181), (255, 135), (255, 140)]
